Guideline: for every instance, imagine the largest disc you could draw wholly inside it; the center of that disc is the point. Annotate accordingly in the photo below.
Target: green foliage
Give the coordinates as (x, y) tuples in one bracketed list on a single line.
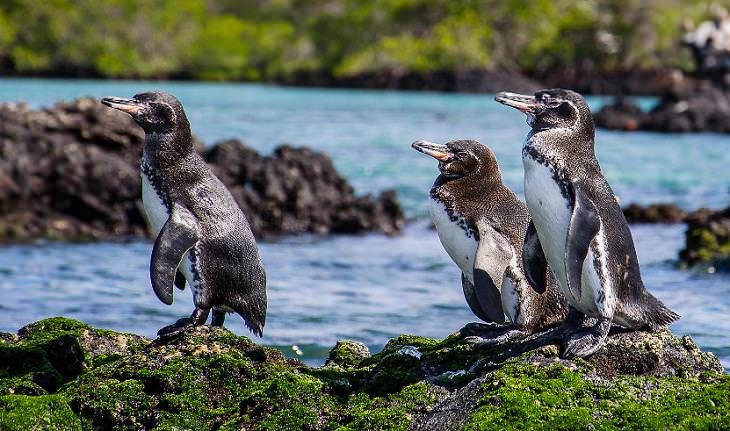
[(275, 39)]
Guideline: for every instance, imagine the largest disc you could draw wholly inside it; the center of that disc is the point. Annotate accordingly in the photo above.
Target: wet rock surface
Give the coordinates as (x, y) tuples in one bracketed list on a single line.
[(71, 171), (654, 213), (210, 378), (707, 239), (704, 107)]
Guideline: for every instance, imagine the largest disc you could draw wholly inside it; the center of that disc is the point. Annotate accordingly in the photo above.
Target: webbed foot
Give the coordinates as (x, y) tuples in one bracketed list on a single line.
[(482, 335), (584, 341), (169, 332)]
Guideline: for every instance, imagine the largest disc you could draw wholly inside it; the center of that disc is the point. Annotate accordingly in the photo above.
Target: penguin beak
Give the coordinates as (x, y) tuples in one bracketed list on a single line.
[(526, 104), (437, 151), (129, 106)]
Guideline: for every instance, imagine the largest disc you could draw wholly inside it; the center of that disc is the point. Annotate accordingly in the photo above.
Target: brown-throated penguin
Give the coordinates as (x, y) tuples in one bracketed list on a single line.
[(578, 226), (482, 224), (202, 234)]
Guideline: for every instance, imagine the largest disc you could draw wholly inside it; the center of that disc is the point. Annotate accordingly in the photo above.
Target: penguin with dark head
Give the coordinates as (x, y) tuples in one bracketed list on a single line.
[(202, 237), (578, 226), (482, 224)]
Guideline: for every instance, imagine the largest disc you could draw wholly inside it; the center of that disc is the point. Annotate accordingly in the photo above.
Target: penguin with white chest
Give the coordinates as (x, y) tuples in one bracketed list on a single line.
[(203, 237), (578, 227), (482, 225)]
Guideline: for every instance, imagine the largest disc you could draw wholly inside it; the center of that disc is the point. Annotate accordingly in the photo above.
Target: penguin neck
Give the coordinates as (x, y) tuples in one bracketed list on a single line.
[(463, 194), (162, 150), (561, 147)]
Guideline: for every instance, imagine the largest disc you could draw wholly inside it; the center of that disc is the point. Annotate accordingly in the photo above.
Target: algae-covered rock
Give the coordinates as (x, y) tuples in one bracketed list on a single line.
[(347, 354), (62, 374), (707, 239)]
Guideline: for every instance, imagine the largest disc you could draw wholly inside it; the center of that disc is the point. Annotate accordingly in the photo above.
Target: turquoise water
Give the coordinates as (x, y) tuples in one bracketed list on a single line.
[(366, 287)]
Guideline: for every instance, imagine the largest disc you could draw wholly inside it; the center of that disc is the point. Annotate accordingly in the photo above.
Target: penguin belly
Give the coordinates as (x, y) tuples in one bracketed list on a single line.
[(551, 213), (157, 215), (458, 240)]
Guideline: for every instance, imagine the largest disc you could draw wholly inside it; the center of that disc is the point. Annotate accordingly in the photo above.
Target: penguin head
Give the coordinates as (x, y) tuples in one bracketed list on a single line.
[(459, 159), (550, 108), (155, 112)]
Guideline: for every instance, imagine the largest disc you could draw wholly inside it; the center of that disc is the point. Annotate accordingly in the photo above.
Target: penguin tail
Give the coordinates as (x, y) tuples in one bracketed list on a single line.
[(253, 313), (658, 315)]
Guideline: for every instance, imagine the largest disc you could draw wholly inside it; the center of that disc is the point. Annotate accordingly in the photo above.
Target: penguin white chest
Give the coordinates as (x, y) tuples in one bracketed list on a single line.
[(551, 213), (460, 243), (157, 216), (154, 207)]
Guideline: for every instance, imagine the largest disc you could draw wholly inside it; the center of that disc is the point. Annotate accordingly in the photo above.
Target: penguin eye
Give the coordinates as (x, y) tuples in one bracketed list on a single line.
[(550, 102)]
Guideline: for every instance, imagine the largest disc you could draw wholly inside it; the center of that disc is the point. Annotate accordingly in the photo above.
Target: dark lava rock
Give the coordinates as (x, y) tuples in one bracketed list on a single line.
[(707, 239), (655, 213), (211, 379), (691, 108), (623, 114), (72, 172)]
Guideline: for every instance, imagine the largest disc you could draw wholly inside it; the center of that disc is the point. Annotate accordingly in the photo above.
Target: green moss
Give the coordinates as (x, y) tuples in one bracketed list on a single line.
[(45, 412), (212, 379), (705, 245), (525, 396), (347, 354)]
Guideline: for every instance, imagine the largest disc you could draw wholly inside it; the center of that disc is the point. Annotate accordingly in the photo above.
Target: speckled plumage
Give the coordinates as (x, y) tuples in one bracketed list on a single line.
[(581, 211), (478, 205), (202, 230)]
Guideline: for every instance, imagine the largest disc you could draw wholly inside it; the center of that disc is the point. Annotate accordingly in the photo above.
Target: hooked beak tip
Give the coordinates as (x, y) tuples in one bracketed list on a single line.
[(521, 102), (125, 105), (437, 151)]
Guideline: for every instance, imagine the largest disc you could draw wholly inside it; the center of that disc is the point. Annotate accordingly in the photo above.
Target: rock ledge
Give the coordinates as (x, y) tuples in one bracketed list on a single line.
[(62, 374)]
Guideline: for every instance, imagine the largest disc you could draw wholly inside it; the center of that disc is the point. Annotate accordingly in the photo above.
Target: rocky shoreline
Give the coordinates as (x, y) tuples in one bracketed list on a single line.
[(700, 107), (71, 172), (62, 374)]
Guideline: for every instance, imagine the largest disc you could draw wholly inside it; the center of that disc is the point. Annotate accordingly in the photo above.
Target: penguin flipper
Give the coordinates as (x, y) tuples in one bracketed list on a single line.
[(584, 226), (178, 235), (471, 299), (492, 258), (534, 261), (180, 280)]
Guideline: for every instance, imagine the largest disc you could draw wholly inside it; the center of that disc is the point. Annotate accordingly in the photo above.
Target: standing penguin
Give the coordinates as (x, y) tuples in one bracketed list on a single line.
[(203, 236), (482, 224), (578, 226)]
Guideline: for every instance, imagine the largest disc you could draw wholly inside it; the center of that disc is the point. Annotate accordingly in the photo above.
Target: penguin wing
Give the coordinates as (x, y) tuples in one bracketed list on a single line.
[(178, 235), (584, 226), (471, 299), (492, 258), (533, 260)]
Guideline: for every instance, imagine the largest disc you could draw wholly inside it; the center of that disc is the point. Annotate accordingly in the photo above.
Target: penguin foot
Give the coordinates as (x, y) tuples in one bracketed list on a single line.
[(481, 335), (585, 341), (170, 332), (173, 331)]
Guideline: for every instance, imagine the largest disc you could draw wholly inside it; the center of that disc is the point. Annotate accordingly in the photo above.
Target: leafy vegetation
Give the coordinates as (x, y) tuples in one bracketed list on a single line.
[(275, 40)]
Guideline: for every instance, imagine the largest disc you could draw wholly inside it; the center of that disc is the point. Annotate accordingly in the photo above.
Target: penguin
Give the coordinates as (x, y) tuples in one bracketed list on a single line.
[(481, 223), (202, 237), (577, 225)]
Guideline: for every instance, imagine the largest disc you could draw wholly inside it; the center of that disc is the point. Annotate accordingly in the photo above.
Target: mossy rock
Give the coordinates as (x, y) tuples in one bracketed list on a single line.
[(212, 379), (707, 239)]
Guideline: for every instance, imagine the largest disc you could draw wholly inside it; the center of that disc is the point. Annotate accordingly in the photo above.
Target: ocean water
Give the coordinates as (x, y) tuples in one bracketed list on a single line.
[(365, 287)]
